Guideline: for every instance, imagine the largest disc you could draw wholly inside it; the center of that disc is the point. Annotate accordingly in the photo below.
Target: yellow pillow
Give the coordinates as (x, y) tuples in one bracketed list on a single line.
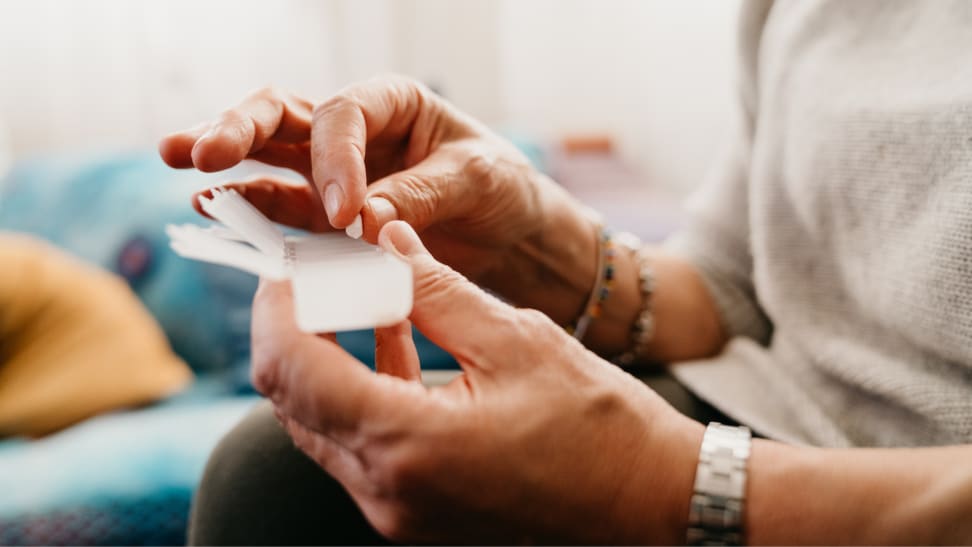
[(74, 342)]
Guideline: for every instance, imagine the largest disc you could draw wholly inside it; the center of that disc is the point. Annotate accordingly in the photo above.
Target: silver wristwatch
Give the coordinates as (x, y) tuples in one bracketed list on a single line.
[(716, 511)]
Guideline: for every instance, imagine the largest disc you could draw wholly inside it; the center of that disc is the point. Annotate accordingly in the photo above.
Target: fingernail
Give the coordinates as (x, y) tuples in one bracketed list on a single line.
[(333, 199), (402, 239), (383, 210), (355, 230)]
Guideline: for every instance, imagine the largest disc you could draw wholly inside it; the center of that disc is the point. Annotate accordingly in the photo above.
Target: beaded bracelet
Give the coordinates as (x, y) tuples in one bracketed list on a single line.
[(602, 286), (643, 329)]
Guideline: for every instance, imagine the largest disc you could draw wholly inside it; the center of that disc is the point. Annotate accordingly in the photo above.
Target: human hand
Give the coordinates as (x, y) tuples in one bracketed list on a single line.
[(537, 440), (388, 149)]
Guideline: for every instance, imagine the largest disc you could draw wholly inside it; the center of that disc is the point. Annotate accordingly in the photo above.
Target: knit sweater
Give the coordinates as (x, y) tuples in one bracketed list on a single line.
[(836, 234)]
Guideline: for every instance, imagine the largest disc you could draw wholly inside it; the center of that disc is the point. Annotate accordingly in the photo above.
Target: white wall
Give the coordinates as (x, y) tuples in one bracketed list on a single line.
[(121, 73), (6, 152), (655, 73)]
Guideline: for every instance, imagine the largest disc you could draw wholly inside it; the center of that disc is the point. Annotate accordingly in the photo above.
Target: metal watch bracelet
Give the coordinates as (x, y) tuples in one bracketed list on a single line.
[(716, 510)]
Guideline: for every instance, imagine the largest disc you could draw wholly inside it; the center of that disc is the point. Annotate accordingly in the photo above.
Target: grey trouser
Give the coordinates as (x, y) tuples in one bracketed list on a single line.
[(258, 489)]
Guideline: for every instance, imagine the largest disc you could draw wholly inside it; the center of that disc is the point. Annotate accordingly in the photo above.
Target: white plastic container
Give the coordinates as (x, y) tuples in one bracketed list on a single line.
[(339, 283)]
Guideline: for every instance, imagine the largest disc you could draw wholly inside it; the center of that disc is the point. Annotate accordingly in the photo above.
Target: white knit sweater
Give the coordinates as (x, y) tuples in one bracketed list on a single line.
[(836, 237)]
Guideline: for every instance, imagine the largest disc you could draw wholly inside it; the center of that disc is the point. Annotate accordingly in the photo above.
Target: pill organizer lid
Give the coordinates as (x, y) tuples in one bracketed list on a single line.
[(339, 283)]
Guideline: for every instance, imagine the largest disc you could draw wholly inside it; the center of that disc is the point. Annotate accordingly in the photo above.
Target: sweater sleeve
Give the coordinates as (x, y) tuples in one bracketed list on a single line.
[(716, 238)]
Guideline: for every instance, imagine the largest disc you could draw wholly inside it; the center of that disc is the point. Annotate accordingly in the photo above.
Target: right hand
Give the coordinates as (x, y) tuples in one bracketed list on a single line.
[(389, 149)]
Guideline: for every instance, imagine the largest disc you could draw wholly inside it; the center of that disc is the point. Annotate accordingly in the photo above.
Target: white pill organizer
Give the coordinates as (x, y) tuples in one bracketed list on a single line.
[(339, 283)]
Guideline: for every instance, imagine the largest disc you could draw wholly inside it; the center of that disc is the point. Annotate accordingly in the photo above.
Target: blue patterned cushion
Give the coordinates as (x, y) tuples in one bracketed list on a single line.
[(119, 479)]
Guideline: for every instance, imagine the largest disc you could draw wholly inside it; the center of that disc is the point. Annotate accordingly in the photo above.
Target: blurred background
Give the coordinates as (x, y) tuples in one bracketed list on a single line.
[(653, 74), (120, 364)]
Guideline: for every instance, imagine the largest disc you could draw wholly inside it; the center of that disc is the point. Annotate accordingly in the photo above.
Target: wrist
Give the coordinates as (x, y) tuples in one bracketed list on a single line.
[(656, 506)]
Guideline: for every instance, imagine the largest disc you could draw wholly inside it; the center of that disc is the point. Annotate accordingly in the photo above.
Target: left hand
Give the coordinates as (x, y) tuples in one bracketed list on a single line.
[(537, 440)]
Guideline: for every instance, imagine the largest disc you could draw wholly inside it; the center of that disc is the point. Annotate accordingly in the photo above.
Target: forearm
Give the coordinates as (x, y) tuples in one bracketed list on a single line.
[(862, 496), (554, 270)]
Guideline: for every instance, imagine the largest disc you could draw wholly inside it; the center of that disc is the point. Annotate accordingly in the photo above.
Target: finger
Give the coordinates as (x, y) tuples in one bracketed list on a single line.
[(341, 130), (338, 461), (312, 379), (176, 149), (295, 156), (451, 311), (245, 129), (238, 132), (395, 352), (294, 205), (422, 195)]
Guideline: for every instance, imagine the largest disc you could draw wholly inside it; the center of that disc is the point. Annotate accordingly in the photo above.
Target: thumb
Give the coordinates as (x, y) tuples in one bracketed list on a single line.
[(450, 310)]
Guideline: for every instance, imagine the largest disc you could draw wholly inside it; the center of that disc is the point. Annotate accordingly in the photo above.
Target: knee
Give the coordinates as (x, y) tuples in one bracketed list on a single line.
[(259, 489), (239, 480)]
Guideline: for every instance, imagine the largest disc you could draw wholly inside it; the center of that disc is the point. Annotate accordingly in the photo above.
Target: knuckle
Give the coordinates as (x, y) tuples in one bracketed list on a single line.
[(488, 175), (358, 149), (479, 168), (267, 361), (238, 120), (421, 198), (264, 371), (336, 103), (338, 153), (436, 279)]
